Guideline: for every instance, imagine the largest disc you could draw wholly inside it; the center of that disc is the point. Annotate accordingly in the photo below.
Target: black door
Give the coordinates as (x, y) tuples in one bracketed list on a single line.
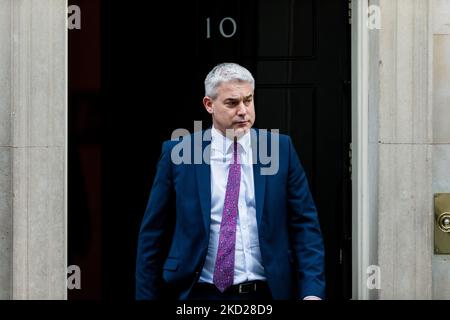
[(154, 60)]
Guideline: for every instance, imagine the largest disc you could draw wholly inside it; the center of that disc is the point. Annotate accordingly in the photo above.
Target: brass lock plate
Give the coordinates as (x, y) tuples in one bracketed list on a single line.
[(442, 223)]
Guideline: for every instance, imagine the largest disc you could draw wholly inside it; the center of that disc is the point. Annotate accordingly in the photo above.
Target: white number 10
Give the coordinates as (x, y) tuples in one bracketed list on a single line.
[(225, 35)]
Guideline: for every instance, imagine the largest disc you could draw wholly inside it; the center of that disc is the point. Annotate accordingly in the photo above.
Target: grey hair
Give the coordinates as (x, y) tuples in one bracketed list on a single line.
[(226, 72)]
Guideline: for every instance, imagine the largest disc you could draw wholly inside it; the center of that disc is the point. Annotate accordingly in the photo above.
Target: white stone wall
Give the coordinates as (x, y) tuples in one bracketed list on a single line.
[(405, 216), (33, 109), (5, 152), (440, 53), (373, 144), (409, 89)]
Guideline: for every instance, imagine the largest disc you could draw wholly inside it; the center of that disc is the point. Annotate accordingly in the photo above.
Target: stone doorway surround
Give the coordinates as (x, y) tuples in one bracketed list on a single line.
[(33, 149), (401, 146)]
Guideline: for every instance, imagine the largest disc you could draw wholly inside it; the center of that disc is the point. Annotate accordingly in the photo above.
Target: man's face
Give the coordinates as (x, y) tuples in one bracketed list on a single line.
[(233, 108)]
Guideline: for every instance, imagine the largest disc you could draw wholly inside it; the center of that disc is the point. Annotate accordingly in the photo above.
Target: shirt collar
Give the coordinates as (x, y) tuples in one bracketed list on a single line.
[(223, 144)]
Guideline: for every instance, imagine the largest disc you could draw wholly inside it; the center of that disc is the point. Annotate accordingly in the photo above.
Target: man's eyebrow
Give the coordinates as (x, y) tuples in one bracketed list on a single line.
[(231, 99), (238, 99)]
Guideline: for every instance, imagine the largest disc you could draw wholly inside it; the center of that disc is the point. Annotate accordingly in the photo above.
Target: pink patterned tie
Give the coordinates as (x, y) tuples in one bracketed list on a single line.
[(224, 268)]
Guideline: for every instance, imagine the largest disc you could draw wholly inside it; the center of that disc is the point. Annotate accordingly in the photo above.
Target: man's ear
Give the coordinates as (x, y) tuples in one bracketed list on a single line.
[(207, 102)]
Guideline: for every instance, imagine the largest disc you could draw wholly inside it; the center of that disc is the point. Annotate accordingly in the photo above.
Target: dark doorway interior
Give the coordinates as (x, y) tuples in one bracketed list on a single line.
[(85, 147), (153, 63)]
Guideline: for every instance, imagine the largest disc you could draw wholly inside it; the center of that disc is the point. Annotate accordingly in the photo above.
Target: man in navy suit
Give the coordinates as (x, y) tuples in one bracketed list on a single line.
[(227, 226)]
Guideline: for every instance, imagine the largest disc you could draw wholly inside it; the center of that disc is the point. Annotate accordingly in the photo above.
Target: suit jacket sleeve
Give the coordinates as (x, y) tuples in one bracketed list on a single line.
[(154, 229), (305, 231)]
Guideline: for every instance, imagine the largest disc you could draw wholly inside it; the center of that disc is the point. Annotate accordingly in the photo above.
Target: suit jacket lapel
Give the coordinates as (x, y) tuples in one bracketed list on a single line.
[(259, 180), (203, 173)]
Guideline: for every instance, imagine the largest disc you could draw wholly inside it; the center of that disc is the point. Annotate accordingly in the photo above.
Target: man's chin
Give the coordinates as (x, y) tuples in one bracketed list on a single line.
[(237, 131), (240, 131)]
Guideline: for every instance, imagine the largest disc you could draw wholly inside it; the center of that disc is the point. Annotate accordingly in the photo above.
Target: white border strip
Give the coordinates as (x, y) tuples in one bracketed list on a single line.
[(360, 103), (66, 148)]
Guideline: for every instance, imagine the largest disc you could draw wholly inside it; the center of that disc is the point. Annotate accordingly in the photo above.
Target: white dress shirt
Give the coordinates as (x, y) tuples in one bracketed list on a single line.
[(248, 261)]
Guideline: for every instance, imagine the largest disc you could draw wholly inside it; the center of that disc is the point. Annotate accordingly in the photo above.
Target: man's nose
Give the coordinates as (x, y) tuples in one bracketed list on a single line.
[(242, 109)]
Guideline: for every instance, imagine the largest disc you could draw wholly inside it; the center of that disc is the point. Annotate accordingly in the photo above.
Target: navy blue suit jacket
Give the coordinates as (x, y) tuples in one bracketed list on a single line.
[(174, 234)]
